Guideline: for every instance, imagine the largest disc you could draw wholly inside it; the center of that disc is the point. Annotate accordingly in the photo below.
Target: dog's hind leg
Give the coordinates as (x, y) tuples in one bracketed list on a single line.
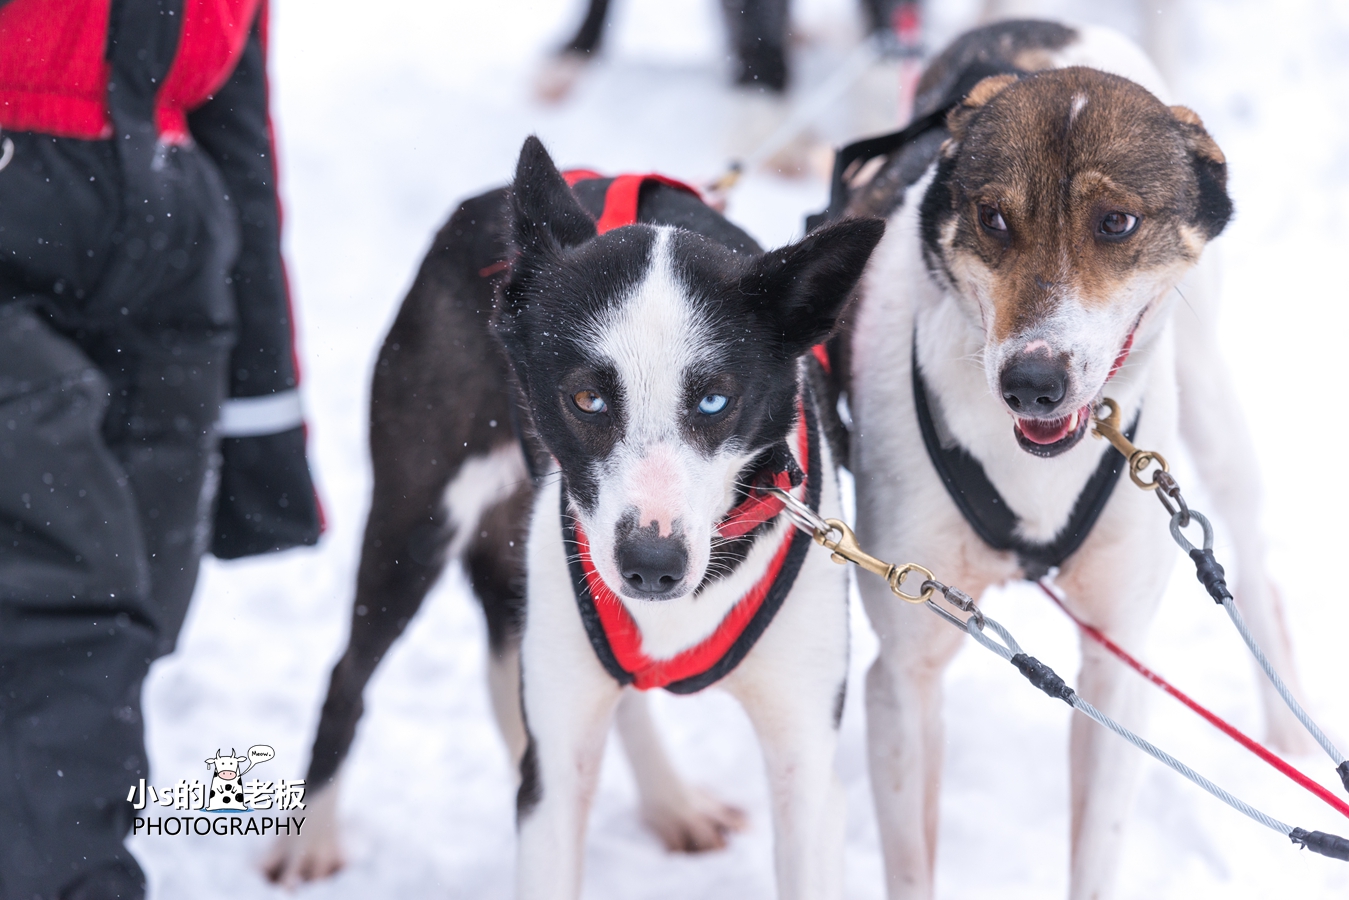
[(684, 817), (314, 854), (442, 452), (1215, 431), (494, 561)]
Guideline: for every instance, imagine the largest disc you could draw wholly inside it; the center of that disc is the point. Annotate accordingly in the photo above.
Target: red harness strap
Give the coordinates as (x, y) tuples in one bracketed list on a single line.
[(624, 638), (759, 507), (1123, 355), (622, 195)]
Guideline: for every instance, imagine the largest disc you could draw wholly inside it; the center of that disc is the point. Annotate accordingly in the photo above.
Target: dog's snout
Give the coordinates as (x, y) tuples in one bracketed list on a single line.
[(1035, 384), (652, 565)]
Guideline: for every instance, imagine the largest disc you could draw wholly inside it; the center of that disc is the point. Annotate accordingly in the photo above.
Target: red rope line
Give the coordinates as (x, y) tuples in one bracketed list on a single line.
[(1212, 718)]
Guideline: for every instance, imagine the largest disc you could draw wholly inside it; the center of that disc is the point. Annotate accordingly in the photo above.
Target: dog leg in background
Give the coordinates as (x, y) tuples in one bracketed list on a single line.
[(758, 31), (905, 736), (685, 817), (1214, 429), (559, 73)]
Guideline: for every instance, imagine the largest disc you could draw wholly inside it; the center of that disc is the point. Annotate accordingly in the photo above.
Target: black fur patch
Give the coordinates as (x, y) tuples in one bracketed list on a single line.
[(1215, 206), (531, 789)]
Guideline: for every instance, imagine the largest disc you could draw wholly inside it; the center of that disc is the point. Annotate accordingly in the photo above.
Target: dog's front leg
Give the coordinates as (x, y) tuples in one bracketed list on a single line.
[(796, 730), (792, 685), (1115, 586), (905, 736), (568, 701)]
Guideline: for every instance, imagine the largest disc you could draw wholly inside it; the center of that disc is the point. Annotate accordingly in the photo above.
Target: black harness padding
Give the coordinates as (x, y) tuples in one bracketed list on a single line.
[(988, 513), (782, 585)]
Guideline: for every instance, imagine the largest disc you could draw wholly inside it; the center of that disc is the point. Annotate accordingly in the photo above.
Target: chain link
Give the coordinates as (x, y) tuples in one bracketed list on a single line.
[(835, 535), (1106, 424)]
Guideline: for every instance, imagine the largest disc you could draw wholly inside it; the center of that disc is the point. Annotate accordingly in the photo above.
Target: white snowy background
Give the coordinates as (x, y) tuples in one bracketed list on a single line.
[(388, 114)]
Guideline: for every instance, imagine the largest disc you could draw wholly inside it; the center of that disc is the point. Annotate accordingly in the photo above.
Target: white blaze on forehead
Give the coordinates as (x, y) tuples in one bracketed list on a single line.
[(1079, 102), (651, 340)]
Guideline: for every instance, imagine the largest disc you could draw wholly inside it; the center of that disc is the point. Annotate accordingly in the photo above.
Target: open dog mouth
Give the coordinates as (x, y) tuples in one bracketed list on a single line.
[(1050, 437)]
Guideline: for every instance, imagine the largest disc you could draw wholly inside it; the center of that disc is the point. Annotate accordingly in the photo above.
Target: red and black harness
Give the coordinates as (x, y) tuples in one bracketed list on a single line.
[(614, 634), (612, 631)]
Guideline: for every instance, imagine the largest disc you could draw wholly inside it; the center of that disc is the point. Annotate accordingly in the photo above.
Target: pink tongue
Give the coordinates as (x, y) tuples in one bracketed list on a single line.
[(1049, 431)]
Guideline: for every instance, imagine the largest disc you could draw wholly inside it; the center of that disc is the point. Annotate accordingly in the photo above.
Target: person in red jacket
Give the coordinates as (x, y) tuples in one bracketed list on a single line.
[(148, 392)]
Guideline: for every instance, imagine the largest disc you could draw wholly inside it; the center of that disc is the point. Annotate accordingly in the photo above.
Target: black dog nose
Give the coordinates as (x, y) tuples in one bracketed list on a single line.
[(1034, 384), (651, 564)]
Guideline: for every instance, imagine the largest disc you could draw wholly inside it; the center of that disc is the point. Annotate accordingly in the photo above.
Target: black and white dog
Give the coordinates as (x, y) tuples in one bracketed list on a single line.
[(1037, 235), (654, 376)]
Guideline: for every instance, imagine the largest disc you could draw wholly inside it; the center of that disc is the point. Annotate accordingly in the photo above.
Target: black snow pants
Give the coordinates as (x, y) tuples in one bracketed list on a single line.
[(140, 284), (116, 327)]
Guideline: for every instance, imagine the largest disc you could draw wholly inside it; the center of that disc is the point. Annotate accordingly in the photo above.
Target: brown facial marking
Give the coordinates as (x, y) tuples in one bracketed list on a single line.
[(1057, 154), (1198, 139)]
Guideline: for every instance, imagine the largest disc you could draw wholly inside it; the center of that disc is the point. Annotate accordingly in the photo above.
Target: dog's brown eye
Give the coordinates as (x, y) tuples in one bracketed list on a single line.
[(1118, 224), (589, 402), (990, 218)]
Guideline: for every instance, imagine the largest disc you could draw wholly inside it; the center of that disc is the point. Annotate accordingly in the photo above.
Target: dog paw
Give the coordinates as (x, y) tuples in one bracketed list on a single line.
[(292, 861), (694, 823), (312, 856), (558, 75)]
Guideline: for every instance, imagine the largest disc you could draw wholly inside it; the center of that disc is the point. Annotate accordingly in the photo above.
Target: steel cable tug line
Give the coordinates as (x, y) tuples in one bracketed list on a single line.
[(835, 536), (613, 633), (1207, 569), (1053, 593)]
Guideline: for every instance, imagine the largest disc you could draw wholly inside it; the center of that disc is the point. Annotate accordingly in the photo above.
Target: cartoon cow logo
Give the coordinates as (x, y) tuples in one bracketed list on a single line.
[(227, 777)]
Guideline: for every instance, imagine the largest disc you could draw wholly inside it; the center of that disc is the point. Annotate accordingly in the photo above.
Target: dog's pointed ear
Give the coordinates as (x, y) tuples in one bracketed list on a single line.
[(545, 214), (1210, 168), (805, 285), (958, 119)]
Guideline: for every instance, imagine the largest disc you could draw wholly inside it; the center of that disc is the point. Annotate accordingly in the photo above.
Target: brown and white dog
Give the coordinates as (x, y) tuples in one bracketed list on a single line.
[(1035, 245)]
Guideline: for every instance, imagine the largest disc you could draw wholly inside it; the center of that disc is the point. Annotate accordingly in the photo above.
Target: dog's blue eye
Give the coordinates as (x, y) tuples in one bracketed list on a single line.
[(589, 402), (712, 404)]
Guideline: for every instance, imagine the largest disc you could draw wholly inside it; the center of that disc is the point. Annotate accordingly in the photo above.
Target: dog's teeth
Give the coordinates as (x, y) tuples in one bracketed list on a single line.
[(1072, 423)]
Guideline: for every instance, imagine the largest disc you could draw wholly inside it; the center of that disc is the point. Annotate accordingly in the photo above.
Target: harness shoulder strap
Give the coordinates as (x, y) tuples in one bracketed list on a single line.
[(623, 195), (849, 159)]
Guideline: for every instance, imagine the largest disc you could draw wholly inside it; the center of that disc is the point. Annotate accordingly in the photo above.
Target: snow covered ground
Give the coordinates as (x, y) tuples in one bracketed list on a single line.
[(388, 114)]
